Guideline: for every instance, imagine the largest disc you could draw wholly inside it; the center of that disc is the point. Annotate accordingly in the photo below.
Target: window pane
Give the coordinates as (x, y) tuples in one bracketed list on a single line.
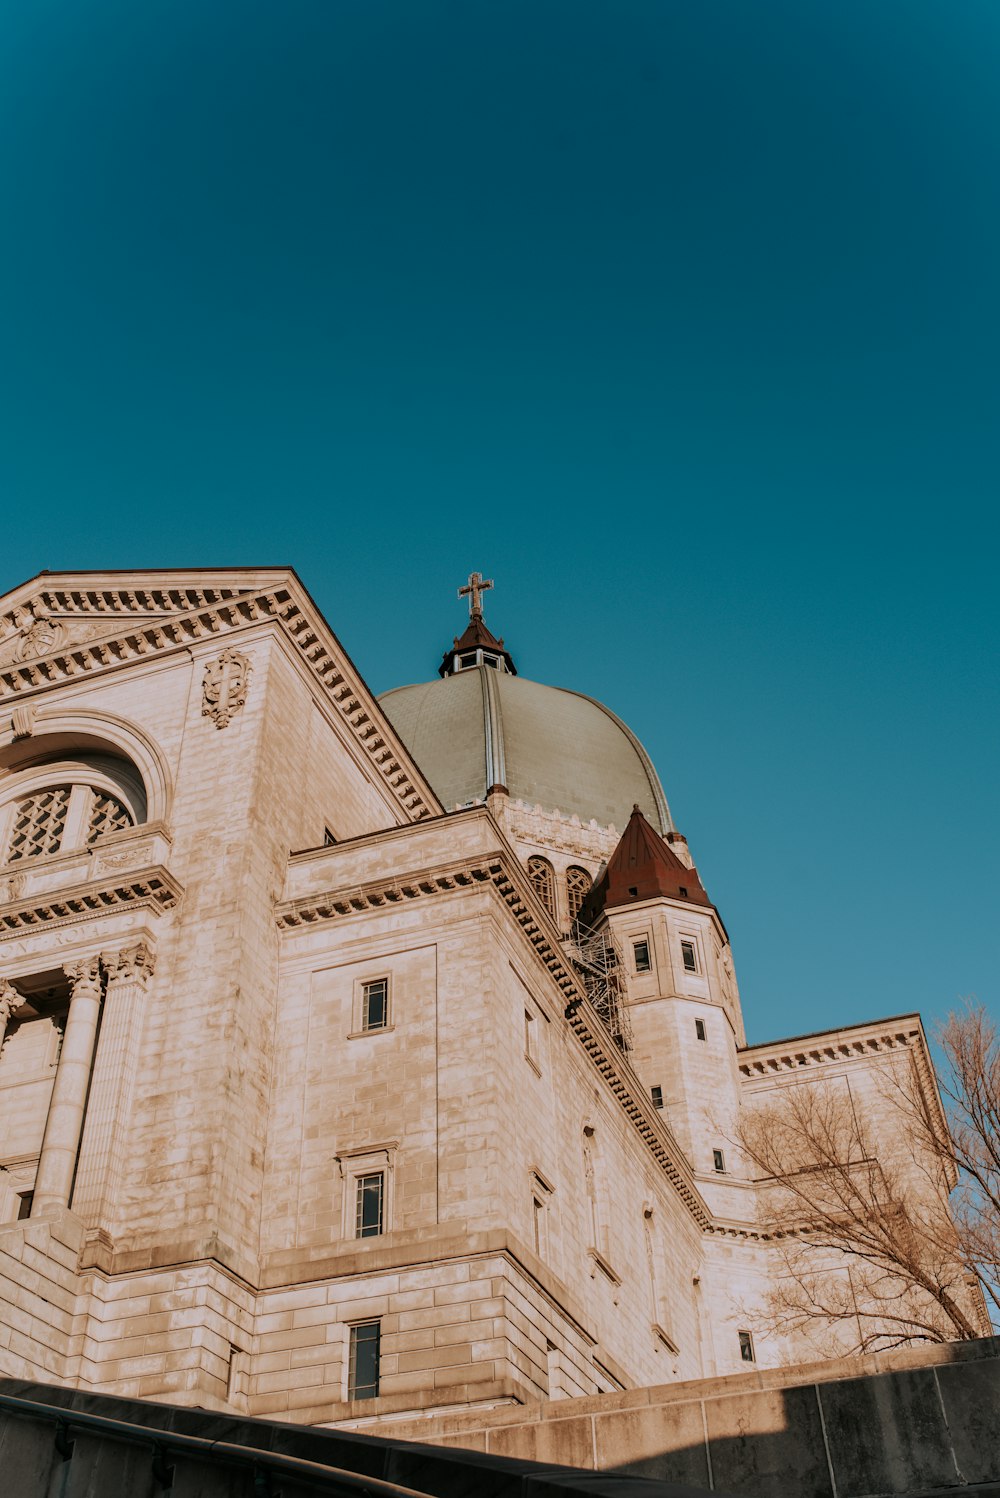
[(362, 1377), (687, 952), (108, 814), (577, 885), (699, 1029), (375, 1015), (746, 1347), (641, 950), (38, 823), (657, 1095), (543, 880), (719, 1161), (368, 1209)]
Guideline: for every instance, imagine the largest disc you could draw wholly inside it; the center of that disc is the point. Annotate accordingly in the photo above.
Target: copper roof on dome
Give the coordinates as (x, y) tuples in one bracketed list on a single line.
[(642, 867), (476, 637)]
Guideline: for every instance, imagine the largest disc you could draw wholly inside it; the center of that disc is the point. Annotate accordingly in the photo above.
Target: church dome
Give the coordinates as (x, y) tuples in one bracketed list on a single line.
[(482, 726)]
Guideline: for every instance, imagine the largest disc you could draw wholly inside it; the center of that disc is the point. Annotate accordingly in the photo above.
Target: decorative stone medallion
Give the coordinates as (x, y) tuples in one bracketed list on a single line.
[(40, 635), (224, 691)]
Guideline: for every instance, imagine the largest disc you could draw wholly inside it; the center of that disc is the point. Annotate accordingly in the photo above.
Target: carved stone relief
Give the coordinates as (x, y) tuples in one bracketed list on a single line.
[(40, 635), (131, 857), (225, 687), (94, 931), (130, 964), (22, 721), (12, 887), (33, 632), (10, 999), (84, 976)]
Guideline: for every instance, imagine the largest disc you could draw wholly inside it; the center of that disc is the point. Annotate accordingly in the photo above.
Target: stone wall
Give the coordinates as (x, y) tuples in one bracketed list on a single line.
[(908, 1422)]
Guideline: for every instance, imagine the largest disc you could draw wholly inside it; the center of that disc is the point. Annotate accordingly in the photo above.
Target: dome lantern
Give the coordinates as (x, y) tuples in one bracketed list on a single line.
[(477, 646)]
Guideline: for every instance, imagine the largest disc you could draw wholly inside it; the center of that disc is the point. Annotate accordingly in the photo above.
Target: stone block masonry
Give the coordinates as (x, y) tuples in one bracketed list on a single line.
[(909, 1422)]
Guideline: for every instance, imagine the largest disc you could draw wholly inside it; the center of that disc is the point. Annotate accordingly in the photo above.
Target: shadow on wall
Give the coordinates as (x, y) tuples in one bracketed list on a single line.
[(903, 1432), (901, 1423)]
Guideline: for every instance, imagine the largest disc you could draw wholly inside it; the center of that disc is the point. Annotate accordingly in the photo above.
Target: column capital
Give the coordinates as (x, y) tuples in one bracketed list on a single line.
[(129, 964), (84, 976), (10, 999)]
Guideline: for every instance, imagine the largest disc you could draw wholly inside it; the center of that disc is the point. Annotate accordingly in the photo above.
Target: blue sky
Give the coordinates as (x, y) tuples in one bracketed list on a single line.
[(680, 321)]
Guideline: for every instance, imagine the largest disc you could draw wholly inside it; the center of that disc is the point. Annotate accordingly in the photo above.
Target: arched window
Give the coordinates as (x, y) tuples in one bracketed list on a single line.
[(61, 805), (577, 885), (543, 882)]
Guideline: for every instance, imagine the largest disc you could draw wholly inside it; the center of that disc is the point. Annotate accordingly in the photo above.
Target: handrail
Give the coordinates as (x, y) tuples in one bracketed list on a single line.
[(168, 1442)]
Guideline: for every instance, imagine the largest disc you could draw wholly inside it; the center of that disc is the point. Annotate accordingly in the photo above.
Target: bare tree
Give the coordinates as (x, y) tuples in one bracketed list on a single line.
[(858, 1210), (967, 1150)]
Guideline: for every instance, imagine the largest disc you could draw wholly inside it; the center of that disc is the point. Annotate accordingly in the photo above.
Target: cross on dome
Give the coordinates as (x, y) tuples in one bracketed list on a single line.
[(473, 590), (477, 646)]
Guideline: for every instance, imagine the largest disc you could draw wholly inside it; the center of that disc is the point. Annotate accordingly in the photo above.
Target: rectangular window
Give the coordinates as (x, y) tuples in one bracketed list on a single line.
[(657, 1095), (329, 841), (746, 1348), (530, 1049), (538, 1222), (719, 1162), (368, 1205), (541, 1195), (24, 1205), (375, 1005), (688, 957), (699, 1029), (362, 1370), (640, 951), (235, 1381)]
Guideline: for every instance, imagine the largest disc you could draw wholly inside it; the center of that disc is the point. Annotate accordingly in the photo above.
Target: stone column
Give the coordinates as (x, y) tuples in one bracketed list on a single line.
[(69, 1092), (10, 1000), (109, 1108)]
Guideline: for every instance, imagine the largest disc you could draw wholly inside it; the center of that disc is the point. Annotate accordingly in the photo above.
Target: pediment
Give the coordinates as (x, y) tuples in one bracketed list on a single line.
[(42, 619), (63, 626)]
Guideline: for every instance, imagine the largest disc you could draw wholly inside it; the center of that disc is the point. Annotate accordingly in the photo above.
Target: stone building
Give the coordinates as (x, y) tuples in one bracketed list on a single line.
[(362, 1057)]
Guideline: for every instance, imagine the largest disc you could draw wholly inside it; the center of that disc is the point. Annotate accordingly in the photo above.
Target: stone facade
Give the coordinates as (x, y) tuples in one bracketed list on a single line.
[(220, 863)]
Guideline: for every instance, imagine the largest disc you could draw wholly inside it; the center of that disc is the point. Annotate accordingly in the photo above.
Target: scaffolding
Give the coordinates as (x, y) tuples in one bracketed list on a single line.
[(600, 969)]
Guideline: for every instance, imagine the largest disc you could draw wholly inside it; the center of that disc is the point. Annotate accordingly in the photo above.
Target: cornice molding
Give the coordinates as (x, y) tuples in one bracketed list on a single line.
[(142, 622), (778, 1059), (311, 910), (152, 889), (859, 1043)]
